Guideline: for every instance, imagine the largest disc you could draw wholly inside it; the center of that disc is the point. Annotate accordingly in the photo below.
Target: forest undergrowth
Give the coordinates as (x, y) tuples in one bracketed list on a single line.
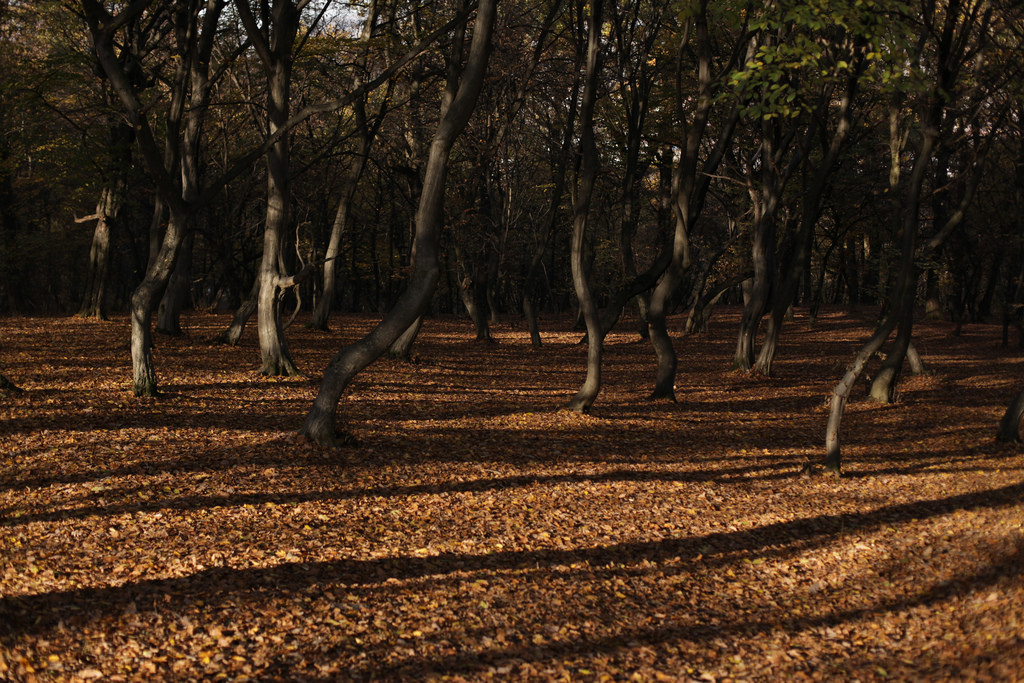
[(478, 533)]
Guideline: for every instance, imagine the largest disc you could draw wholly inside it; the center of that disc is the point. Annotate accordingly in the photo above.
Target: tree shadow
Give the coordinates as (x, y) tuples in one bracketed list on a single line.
[(724, 475), (39, 613)]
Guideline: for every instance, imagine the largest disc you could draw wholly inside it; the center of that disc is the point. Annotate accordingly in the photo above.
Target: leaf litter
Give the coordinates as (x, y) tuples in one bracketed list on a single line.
[(477, 533)]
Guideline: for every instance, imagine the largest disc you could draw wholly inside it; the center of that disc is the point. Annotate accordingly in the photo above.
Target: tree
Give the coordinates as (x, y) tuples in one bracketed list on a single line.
[(947, 41), (274, 42), (844, 58), (587, 393), (175, 169), (692, 173), (456, 107), (365, 131)]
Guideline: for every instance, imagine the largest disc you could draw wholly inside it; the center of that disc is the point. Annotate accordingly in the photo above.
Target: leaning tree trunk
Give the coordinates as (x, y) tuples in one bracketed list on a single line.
[(322, 312), (903, 297), (690, 184), (401, 348), (883, 386), (457, 105), (143, 302), (1009, 426), (587, 394), (814, 192), (245, 310)]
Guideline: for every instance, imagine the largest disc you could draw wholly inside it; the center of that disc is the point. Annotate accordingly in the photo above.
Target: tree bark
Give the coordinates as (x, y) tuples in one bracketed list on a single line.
[(903, 295), (231, 335), (561, 174), (178, 292), (144, 300), (107, 210), (799, 259), (179, 191), (322, 313), (690, 184), (273, 44), (457, 104), (587, 393), (401, 348)]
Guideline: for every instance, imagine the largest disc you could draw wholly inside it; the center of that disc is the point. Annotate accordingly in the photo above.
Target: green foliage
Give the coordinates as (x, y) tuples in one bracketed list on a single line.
[(802, 47)]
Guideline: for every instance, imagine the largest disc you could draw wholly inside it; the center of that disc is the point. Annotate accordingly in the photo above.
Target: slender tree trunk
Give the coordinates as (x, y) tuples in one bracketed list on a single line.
[(587, 394), (903, 296), (245, 310), (276, 54), (764, 287), (883, 386), (322, 312), (815, 184), (472, 291), (143, 302), (690, 185), (530, 283), (914, 360), (401, 348), (1009, 426), (457, 105), (178, 292)]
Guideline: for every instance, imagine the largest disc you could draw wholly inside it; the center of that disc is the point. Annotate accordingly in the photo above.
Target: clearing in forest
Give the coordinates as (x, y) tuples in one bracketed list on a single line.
[(477, 533)]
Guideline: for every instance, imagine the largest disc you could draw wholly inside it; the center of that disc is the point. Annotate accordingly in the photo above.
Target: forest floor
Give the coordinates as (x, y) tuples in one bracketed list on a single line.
[(477, 533)]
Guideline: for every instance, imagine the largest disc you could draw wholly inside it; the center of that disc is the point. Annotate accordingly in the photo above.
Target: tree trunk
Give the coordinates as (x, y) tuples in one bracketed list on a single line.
[(761, 292), (322, 313), (1009, 426), (530, 285), (245, 310), (690, 184), (178, 292), (275, 52), (815, 183), (401, 348), (587, 393), (883, 386), (472, 287), (144, 300), (457, 104), (107, 210), (175, 171), (903, 297)]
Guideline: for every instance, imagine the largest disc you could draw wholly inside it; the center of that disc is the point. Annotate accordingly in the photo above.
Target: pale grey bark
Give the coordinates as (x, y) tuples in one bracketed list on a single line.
[(273, 44), (194, 38)]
